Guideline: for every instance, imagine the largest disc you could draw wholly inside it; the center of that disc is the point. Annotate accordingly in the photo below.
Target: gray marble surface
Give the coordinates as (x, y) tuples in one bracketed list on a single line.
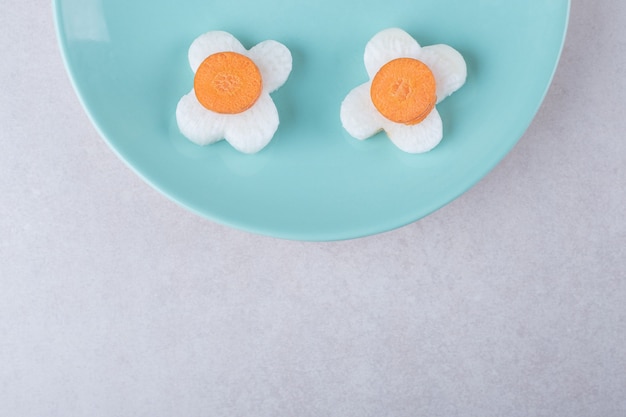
[(510, 301)]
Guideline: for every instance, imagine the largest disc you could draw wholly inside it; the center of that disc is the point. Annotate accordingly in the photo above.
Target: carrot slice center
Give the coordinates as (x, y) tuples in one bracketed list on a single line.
[(228, 83), (404, 91)]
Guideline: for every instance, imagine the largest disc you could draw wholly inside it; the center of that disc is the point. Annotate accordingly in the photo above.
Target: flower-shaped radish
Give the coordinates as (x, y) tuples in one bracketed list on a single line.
[(231, 93), (406, 82)]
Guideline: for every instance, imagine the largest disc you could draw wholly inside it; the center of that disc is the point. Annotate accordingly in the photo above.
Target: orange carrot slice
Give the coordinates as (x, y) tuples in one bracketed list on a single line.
[(404, 91), (228, 83)]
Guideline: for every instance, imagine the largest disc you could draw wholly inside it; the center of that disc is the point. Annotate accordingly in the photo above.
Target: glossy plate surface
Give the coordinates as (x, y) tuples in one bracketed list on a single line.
[(128, 62)]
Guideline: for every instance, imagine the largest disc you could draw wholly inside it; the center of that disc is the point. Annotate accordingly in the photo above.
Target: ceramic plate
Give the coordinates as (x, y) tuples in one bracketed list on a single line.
[(128, 62)]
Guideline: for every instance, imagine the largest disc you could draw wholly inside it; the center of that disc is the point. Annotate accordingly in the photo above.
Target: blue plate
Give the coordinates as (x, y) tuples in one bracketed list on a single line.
[(128, 62)]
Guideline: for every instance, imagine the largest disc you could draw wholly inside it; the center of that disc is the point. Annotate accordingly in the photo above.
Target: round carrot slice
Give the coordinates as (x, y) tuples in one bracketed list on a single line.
[(404, 91), (227, 83)]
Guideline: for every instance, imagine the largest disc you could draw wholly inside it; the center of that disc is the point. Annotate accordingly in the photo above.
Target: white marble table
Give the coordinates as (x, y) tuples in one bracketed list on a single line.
[(511, 301)]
